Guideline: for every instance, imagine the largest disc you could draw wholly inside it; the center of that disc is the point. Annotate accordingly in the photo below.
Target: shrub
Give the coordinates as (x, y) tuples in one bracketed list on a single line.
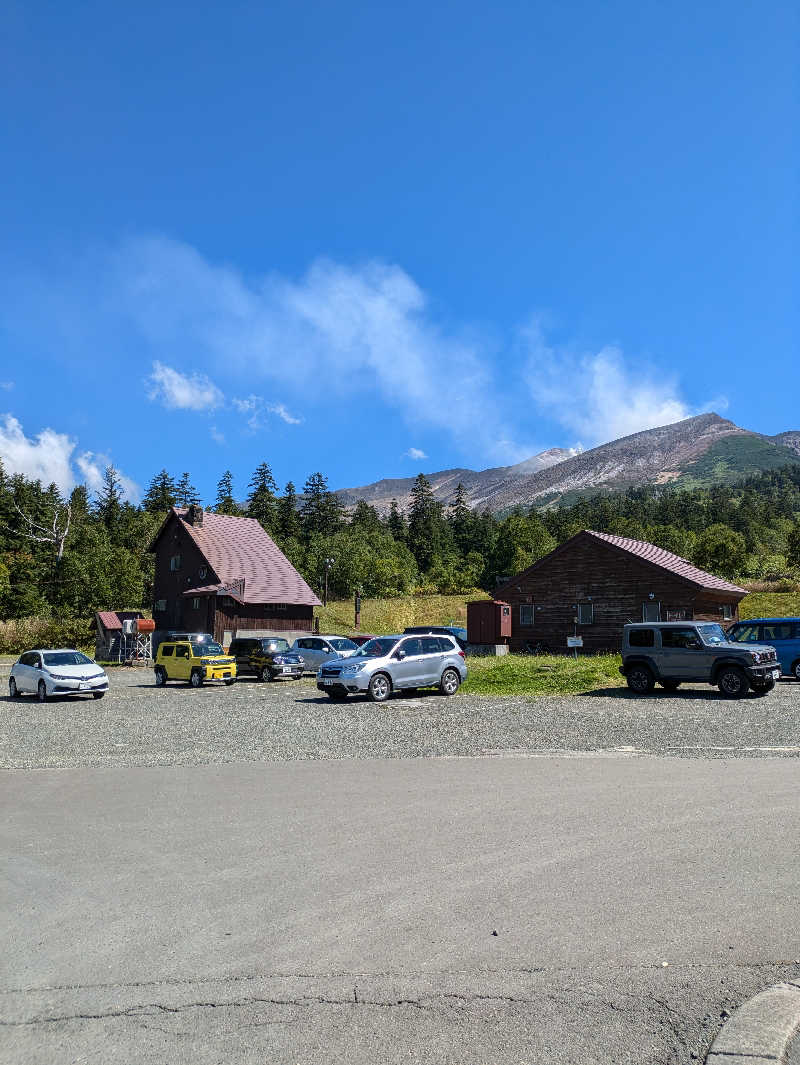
[(20, 634)]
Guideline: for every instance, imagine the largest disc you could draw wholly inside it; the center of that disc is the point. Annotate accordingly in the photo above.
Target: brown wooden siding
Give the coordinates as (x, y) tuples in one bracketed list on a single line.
[(616, 584), (232, 617), (171, 584)]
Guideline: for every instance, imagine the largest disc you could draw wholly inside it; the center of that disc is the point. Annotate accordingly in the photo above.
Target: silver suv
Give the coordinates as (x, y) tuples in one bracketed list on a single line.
[(672, 652), (395, 663)]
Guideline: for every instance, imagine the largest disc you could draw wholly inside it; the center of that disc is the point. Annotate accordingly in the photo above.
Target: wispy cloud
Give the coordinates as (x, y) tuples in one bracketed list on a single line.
[(216, 435), (50, 457), (335, 324), (414, 453), (180, 391), (602, 396), (6, 386), (256, 408)]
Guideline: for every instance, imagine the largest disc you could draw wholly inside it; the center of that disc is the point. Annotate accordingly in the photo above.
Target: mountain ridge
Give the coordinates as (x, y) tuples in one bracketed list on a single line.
[(705, 448)]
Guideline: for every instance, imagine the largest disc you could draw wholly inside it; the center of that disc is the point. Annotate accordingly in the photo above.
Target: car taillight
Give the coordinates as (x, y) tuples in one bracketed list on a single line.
[(462, 655)]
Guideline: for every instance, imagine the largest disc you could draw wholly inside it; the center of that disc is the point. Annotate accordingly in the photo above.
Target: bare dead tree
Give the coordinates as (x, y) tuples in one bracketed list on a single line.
[(56, 534)]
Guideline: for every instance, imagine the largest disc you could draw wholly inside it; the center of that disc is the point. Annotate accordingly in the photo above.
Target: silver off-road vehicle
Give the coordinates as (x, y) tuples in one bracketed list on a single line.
[(395, 663), (671, 652)]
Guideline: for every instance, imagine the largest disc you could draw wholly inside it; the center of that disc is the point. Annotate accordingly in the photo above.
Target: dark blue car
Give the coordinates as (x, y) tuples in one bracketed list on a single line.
[(781, 633)]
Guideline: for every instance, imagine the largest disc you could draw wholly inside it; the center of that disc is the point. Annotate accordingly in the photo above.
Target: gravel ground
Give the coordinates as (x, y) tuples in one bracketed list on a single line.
[(138, 724)]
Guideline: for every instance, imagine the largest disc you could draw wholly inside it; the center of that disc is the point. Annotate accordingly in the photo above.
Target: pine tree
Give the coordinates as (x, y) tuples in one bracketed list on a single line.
[(108, 504), (288, 517), (225, 503), (459, 517), (396, 523), (365, 517), (261, 503), (321, 511), (160, 494), (185, 492), (428, 536)]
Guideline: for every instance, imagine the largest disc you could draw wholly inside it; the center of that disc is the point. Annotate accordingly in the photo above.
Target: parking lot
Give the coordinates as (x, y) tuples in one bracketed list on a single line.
[(138, 724)]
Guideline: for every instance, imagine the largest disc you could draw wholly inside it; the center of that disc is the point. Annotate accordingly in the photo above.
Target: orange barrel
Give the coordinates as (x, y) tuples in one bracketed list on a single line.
[(145, 625)]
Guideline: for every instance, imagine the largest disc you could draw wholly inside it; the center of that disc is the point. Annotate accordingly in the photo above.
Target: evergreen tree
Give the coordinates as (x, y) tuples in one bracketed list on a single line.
[(793, 546), (261, 503), (225, 503), (396, 523), (365, 517), (321, 512), (185, 492), (108, 504), (288, 516), (459, 517), (160, 494), (428, 535)]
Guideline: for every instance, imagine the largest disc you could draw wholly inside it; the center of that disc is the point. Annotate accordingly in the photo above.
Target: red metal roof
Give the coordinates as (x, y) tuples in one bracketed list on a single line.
[(666, 560), (109, 619), (237, 548)]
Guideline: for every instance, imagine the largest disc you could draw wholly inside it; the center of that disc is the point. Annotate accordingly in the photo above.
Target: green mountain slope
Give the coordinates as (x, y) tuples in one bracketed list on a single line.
[(732, 458)]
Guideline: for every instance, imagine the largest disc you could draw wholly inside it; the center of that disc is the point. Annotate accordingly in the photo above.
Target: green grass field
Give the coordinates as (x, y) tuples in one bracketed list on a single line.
[(771, 605), (541, 675), (384, 616)]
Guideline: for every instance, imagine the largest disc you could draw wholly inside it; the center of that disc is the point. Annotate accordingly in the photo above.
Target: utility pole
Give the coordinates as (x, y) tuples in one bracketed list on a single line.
[(327, 562), (358, 608)]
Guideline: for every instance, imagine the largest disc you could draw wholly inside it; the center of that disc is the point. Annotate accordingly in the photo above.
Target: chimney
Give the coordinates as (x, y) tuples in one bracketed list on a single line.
[(195, 516)]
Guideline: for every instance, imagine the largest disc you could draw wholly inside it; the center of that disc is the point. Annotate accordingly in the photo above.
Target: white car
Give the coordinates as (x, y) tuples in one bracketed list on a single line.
[(64, 672), (314, 650)]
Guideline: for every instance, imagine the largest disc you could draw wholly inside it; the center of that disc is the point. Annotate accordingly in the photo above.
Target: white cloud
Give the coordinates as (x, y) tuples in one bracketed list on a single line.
[(256, 407), (414, 453), (93, 466), (336, 325), (48, 457), (601, 396), (216, 435), (181, 392)]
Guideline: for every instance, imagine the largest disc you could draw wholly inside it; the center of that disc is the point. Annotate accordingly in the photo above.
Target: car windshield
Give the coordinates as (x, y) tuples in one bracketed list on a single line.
[(66, 658), (342, 645), (377, 648), (275, 645), (712, 634), (206, 647)]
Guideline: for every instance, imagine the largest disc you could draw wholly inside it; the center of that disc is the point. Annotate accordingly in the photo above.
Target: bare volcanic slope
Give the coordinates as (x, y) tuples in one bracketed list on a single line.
[(705, 449)]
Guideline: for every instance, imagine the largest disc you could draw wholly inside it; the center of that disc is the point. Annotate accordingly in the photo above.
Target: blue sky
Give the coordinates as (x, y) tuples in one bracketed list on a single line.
[(373, 240)]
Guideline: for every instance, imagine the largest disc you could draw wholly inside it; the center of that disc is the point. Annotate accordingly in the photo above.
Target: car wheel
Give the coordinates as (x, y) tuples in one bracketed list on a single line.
[(41, 692), (796, 670), (161, 676), (380, 688), (265, 674), (640, 679), (450, 682), (229, 682), (98, 695), (196, 679), (670, 685), (732, 682), (762, 689), (13, 690)]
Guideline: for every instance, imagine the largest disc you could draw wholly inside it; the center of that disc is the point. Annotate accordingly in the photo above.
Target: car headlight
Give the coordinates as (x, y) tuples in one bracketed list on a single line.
[(60, 676), (278, 660), (354, 667), (755, 656)]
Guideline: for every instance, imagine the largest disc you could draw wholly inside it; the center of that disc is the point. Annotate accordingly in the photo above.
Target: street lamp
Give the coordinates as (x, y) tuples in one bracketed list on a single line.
[(327, 563)]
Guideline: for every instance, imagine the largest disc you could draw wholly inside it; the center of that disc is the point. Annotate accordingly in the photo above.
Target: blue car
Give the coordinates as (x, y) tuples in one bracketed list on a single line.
[(781, 633)]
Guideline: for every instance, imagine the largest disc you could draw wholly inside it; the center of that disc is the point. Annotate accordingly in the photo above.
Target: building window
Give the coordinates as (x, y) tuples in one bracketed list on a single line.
[(585, 613), (651, 611), (727, 612), (678, 614), (526, 614), (275, 608), (175, 563), (196, 603), (202, 572), (160, 605)]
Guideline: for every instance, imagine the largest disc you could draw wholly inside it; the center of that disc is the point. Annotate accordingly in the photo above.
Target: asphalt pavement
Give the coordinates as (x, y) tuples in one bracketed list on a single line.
[(179, 890)]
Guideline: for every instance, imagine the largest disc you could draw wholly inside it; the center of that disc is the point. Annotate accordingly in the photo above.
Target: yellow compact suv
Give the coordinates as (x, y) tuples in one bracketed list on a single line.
[(193, 660)]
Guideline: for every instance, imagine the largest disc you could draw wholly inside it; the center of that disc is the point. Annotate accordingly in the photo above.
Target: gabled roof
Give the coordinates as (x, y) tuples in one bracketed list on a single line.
[(111, 620), (238, 548), (655, 556)]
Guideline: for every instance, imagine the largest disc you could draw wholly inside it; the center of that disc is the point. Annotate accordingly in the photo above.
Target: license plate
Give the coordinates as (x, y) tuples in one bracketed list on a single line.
[(776, 674), (287, 669), (84, 687), (327, 682)]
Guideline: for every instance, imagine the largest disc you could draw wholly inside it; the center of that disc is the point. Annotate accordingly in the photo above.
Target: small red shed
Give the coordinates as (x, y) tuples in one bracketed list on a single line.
[(488, 621)]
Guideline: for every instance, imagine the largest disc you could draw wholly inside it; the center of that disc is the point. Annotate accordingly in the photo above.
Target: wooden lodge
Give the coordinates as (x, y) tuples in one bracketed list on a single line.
[(224, 575), (594, 583)]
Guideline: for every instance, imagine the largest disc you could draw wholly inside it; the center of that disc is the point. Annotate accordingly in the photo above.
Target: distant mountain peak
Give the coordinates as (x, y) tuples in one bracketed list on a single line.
[(703, 448)]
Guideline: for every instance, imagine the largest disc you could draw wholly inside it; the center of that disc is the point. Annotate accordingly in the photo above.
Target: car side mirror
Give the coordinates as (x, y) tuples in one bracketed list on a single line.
[(399, 655), (694, 645)]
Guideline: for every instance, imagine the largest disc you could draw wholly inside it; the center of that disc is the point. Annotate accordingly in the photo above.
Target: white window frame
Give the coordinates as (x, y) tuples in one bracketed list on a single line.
[(175, 563), (196, 603), (523, 608), (726, 611)]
